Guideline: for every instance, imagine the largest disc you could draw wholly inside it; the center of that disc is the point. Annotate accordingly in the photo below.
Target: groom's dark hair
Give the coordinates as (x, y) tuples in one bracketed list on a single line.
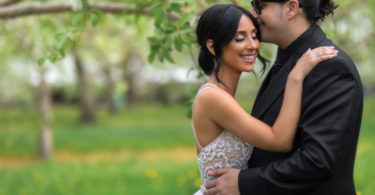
[(318, 10), (315, 10)]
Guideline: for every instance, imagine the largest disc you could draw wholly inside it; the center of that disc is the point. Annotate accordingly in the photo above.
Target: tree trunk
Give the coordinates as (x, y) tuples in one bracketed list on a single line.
[(132, 66), (45, 136), (86, 98), (109, 90)]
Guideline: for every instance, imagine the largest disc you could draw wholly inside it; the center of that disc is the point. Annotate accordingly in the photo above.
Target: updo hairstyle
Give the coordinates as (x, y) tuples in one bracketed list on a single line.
[(318, 10)]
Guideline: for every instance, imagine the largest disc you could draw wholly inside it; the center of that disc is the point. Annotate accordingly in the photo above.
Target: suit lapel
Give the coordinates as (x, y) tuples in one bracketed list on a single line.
[(271, 91), (260, 92)]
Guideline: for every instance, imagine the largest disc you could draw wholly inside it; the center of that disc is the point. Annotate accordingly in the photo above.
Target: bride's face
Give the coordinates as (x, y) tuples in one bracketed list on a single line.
[(241, 52)]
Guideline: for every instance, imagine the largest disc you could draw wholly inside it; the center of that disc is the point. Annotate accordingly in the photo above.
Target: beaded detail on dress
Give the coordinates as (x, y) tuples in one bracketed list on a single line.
[(225, 151)]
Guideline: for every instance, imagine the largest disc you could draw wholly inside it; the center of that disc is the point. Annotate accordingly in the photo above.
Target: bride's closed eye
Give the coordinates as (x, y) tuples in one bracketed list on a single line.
[(239, 38)]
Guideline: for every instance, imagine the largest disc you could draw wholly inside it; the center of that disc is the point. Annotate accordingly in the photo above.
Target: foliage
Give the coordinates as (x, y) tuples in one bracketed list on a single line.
[(352, 28), (174, 22), (169, 34), (66, 41), (160, 44)]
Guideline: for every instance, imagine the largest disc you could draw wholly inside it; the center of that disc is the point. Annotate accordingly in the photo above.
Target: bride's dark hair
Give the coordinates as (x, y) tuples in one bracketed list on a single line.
[(219, 23)]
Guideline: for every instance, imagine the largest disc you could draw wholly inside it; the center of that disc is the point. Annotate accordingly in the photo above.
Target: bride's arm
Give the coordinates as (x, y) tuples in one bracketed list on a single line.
[(224, 110)]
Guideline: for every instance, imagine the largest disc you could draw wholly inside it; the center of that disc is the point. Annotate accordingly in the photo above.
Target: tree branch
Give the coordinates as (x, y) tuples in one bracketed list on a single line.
[(53, 8), (8, 2), (202, 3)]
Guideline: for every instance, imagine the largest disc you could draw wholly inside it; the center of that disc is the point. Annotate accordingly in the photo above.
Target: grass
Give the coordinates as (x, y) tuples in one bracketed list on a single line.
[(143, 150), (139, 128), (101, 178), (364, 172)]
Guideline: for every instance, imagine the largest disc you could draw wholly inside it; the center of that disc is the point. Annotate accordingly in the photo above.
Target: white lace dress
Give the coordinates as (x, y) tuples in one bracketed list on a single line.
[(224, 151)]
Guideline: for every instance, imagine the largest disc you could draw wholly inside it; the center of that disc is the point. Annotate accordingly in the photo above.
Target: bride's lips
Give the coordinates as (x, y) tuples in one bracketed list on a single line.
[(250, 58)]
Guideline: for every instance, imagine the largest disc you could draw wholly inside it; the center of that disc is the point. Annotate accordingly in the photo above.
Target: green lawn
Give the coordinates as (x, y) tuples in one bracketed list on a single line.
[(144, 150), (140, 128), (128, 177)]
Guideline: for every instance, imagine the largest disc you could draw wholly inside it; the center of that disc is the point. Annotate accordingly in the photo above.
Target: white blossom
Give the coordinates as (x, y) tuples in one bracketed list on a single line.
[(76, 4)]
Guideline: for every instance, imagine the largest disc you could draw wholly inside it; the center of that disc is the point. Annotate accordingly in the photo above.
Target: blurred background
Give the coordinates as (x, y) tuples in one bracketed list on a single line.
[(95, 95)]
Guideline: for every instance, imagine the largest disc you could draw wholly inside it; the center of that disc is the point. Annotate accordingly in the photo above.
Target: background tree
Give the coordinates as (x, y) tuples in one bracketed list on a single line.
[(353, 29), (47, 31)]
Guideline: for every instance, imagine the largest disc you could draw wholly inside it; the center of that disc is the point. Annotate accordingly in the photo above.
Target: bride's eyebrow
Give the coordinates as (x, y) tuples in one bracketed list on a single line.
[(244, 32)]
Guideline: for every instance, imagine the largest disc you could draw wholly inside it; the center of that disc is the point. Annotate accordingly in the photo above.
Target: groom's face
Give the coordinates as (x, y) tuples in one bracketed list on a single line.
[(271, 19)]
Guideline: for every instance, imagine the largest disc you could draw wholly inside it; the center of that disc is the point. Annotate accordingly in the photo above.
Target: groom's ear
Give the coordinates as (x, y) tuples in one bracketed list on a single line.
[(293, 8), (210, 46)]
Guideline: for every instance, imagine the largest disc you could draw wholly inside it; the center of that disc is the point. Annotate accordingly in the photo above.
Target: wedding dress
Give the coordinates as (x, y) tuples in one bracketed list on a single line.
[(225, 151)]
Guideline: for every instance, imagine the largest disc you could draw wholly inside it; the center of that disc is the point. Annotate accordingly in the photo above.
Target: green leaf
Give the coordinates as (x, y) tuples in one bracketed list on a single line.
[(62, 53), (178, 43), (53, 57), (158, 5), (159, 17), (42, 60), (158, 13), (175, 7), (188, 38), (95, 17), (161, 58), (167, 26), (168, 41), (77, 19), (59, 35), (60, 43), (183, 20), (159, 32), (151, 57), (153, 40), (168, 56)]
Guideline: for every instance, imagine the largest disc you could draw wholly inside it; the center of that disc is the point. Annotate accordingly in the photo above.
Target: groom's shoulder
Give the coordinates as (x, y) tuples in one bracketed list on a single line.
[(339, 67), (342, 58), (340, 63)]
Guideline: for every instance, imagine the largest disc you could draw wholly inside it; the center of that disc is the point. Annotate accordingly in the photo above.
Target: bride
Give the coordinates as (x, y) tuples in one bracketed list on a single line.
[(225, 133)]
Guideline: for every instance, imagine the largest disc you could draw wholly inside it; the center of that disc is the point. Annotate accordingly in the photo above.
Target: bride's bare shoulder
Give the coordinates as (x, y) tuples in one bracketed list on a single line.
[(213, 97)]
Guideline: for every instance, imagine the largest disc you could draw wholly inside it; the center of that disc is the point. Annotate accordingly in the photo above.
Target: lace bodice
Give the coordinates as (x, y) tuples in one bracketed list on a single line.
[(225, 151)]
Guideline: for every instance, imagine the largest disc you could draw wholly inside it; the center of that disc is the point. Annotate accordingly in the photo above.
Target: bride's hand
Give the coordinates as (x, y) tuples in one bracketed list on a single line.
[(310, 59)]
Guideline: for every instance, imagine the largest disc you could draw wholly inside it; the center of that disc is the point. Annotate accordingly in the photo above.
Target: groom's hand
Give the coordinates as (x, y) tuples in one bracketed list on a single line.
[(226, 182)]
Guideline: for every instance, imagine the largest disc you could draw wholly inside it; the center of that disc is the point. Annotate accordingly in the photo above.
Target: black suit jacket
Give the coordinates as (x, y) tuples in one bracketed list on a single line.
[(322, 159)]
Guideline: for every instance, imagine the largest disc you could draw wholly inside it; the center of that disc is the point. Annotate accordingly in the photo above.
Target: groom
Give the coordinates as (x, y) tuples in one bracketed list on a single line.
[(322, 159)]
